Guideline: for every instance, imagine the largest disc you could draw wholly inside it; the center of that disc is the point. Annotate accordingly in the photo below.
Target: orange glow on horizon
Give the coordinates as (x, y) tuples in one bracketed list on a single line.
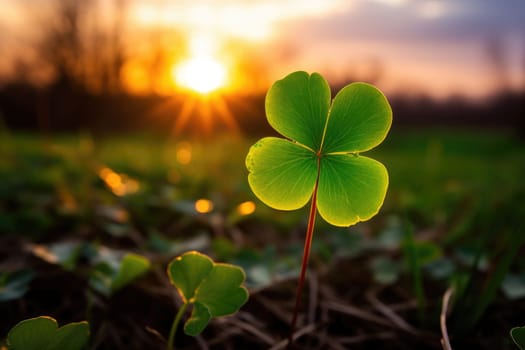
[(169, 48)]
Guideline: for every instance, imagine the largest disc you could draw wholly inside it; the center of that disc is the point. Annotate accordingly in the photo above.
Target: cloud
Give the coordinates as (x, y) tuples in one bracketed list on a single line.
[(254, 19), (416, 21), (440, 46)]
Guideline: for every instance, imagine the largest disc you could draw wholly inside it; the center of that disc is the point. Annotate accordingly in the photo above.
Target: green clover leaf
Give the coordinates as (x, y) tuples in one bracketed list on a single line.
[(518, 336), (322, 152), (43, 333), (214, 289)]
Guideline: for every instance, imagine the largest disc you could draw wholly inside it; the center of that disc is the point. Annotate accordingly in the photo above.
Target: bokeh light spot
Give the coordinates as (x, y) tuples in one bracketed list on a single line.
[(203, 206), (246, 208)]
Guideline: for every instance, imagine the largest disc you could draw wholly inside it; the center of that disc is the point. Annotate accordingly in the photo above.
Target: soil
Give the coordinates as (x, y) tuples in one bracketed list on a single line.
[(342, 308)]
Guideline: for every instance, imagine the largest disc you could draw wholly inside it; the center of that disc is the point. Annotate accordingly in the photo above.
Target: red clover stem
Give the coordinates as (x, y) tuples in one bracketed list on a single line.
[(306, 255)]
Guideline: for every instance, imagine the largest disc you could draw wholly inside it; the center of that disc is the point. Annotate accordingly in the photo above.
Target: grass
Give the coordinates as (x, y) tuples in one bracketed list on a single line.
[(461, 191)]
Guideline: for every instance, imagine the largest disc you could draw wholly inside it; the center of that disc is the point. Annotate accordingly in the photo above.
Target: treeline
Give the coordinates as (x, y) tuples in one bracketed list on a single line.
[(65, 108)]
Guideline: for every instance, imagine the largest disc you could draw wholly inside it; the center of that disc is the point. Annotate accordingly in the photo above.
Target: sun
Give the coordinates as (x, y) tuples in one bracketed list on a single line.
[(202, 74), (208, 73)]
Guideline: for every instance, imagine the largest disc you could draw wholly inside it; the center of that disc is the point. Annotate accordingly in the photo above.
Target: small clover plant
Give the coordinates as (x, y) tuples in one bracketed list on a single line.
[(14, 285), (213, 289), (320, 160), (43, 333), (111, 275)]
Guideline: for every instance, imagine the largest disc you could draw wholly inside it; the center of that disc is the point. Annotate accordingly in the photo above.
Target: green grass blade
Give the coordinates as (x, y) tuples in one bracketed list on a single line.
[(414, 266), (515, 242)]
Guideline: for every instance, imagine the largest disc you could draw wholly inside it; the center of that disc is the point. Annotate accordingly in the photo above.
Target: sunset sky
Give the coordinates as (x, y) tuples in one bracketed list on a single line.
[(437, 47)]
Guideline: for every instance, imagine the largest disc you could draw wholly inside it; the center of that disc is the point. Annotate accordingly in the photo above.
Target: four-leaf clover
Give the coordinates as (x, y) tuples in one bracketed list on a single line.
[(322, 153)]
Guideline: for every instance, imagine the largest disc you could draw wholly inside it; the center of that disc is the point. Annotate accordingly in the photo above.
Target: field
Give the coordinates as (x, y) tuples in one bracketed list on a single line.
[(453, 217)]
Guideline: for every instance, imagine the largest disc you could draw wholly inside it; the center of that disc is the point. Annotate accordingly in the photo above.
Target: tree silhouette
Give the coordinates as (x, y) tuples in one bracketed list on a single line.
[(83, 52)]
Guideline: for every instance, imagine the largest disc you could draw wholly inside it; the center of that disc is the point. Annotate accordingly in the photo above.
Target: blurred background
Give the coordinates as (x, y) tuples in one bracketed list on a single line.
[(129, 64), (124, 126)]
